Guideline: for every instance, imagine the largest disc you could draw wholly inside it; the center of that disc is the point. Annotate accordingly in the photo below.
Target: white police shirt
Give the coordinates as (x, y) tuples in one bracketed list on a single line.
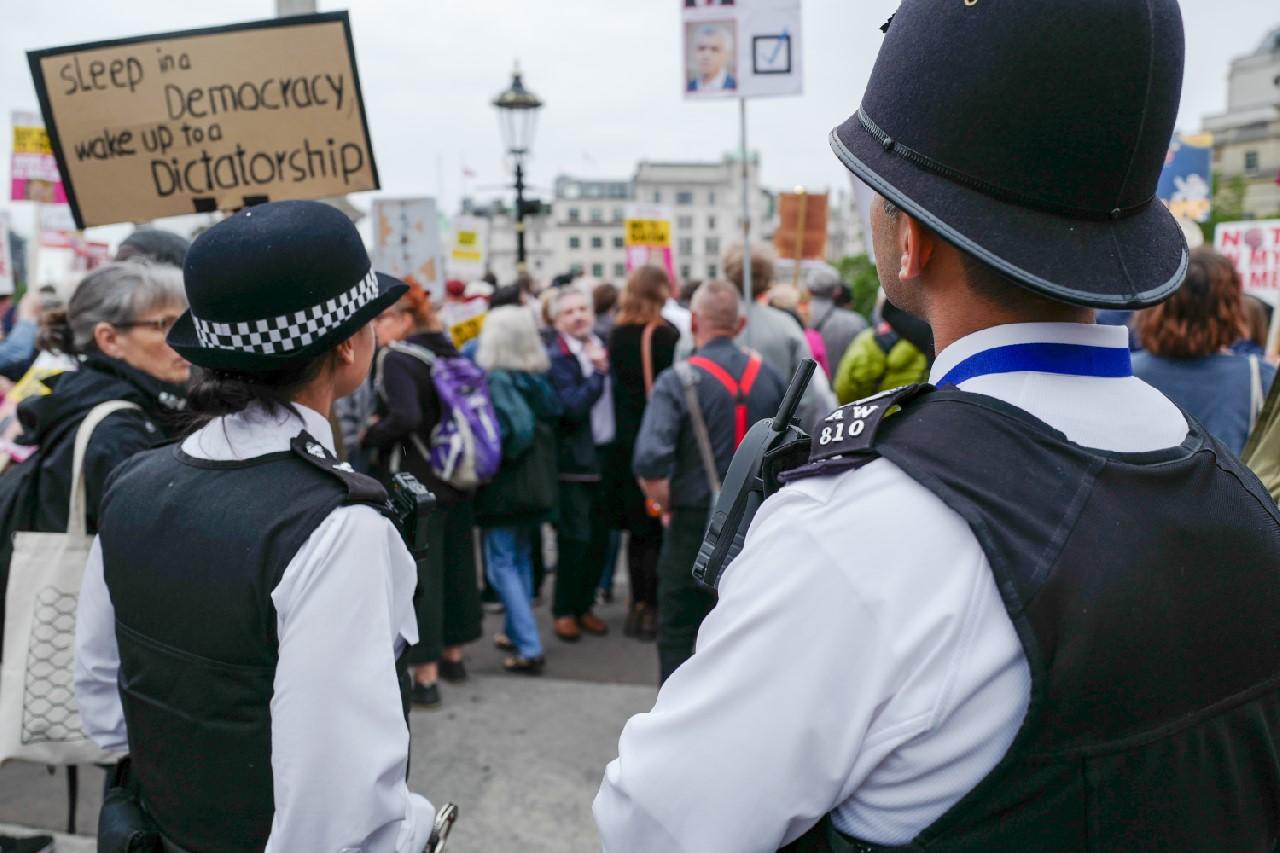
[(339, 776), (859, 659)]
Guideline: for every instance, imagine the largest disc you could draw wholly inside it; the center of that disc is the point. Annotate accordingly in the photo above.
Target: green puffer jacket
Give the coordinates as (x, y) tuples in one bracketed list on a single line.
[(877, 360)]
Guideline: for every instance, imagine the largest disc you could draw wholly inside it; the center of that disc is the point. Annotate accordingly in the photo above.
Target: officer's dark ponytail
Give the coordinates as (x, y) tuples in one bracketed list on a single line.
[(215, 393)]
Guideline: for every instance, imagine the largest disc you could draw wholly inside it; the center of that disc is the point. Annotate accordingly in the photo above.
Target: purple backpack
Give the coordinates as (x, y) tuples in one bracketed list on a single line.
[(465, 449)]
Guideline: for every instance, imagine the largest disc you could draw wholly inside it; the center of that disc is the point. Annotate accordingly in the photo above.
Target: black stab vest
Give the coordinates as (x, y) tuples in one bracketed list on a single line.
[(192, 550), (1145, 590)]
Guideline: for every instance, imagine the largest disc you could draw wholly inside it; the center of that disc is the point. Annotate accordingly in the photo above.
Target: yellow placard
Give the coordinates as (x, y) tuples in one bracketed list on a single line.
[(648, 232), (31, 140), (466, 330)]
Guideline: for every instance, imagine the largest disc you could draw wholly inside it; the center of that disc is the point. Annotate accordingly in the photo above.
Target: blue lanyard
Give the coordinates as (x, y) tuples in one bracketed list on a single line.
[(1069, 359)]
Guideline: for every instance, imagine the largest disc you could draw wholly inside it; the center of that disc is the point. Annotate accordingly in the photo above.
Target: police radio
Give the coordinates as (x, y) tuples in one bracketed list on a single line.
[(769, 446), (412, 503)]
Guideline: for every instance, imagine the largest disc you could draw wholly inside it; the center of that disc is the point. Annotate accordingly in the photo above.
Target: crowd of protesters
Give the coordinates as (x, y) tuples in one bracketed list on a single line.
[(615, 412)]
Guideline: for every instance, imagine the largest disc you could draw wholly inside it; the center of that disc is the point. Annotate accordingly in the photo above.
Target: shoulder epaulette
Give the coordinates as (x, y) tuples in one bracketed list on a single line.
[(361, 488), (846, 438)]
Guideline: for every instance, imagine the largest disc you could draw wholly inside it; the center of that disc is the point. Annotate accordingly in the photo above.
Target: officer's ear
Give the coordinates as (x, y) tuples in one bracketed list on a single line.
[(916, 245), (344, 354)]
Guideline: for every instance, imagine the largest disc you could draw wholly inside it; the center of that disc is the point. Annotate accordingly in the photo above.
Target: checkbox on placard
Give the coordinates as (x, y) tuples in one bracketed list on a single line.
[(771, 54)]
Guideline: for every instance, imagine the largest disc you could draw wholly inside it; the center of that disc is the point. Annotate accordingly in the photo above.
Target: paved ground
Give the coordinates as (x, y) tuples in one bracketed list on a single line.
[(522, 757)]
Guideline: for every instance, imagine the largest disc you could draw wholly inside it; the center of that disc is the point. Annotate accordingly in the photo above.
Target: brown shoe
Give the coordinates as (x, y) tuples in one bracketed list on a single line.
[(593, 624), (647, 631), (566, 628)]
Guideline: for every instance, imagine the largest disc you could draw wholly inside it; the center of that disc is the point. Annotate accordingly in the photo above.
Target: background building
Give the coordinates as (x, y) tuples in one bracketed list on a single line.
[(588, 215), (584, 229), (500, 248), (1247, 136)]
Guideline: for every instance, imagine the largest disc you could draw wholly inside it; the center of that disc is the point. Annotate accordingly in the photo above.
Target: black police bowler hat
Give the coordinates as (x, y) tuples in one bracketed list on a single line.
[(275, 285), (1031, 135)]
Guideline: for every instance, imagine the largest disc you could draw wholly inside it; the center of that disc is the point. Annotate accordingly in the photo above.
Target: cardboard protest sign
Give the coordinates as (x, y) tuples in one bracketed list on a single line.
[(6, 263), (741, 49), (464, 320), (1254, 248), (205, 120), (33, 170), (1186, 184), (647, 238), (802, 226), (406, 242), (467, 255)]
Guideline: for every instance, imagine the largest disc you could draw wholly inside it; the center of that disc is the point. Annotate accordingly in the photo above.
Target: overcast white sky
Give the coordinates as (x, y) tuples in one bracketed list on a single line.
[(608, 70)]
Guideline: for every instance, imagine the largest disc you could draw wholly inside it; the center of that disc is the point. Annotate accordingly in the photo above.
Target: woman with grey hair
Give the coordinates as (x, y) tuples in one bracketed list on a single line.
[(522, 496), (115, 326)]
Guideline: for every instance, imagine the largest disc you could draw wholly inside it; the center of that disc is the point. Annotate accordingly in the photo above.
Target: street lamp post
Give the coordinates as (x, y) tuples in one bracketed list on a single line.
[(517, 120)]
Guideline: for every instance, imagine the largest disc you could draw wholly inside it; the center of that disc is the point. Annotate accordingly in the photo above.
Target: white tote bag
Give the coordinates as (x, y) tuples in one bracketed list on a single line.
[(39, 720)]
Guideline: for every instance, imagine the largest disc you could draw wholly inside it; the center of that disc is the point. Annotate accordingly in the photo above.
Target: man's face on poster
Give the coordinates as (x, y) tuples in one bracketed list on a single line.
[(710, 54)]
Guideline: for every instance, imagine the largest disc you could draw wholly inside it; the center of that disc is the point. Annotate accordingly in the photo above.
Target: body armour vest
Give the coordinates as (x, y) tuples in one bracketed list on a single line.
[(1145, 591), (192, 550)]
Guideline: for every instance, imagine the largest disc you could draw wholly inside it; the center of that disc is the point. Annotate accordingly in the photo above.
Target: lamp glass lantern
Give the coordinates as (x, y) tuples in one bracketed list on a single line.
[(517, 115)]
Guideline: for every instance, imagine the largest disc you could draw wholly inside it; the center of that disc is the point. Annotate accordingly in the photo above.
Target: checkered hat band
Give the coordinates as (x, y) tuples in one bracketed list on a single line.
[(288, 332)]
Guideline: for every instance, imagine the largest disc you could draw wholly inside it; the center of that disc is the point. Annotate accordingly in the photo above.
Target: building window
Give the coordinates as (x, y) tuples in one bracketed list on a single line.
[(597, 215), (712, 271), (575, 243), (684, 223), (573, 214), (1251, 161), (597, 270), (684, 197), (597, 242), (686, 246), (711, 222), (619, 270), (619, 243), (711, 197), (686, 272), (713, 245), (619, 214), (657, 196)]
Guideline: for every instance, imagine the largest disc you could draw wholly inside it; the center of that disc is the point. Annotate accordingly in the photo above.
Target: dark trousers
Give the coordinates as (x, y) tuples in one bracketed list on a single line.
[(682, 603), (581, 541), (447, 602), (643, 549)]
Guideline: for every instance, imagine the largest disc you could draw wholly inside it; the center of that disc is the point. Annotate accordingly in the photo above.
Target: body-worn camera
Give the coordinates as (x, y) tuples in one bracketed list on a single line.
[(413, 503), (767, 447)]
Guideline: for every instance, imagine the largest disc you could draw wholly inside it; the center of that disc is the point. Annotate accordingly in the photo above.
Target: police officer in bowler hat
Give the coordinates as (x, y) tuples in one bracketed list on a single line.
[(1031, 605), (247, 595)]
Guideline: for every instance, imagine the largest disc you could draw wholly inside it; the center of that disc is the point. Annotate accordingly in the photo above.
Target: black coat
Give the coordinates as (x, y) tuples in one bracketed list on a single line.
[(34, 494), (409, 407), (51, 421), (578, 394)]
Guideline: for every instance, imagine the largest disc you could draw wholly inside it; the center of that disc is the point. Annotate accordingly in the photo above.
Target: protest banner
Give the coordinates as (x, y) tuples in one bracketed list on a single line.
[(747, 49), (1186, 184), (6, 263), (802, 226), (406, 242), (1254, 247), (464, 320), (467, 254), (204, 120), (647, 238), (33, 170)]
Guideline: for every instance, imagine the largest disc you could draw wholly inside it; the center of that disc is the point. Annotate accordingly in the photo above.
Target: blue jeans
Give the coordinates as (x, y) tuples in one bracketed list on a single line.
[(508, 557)]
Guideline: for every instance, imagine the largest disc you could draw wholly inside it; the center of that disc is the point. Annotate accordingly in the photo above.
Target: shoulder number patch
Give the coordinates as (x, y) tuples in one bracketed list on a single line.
[(852, 429)]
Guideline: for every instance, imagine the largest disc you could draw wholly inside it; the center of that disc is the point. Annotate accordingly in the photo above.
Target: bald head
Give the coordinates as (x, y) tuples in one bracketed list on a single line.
[(716, 312)]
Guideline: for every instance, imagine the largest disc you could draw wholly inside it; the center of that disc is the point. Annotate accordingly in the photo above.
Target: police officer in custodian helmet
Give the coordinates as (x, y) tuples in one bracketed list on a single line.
[(247, 597), (1031, 605)]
